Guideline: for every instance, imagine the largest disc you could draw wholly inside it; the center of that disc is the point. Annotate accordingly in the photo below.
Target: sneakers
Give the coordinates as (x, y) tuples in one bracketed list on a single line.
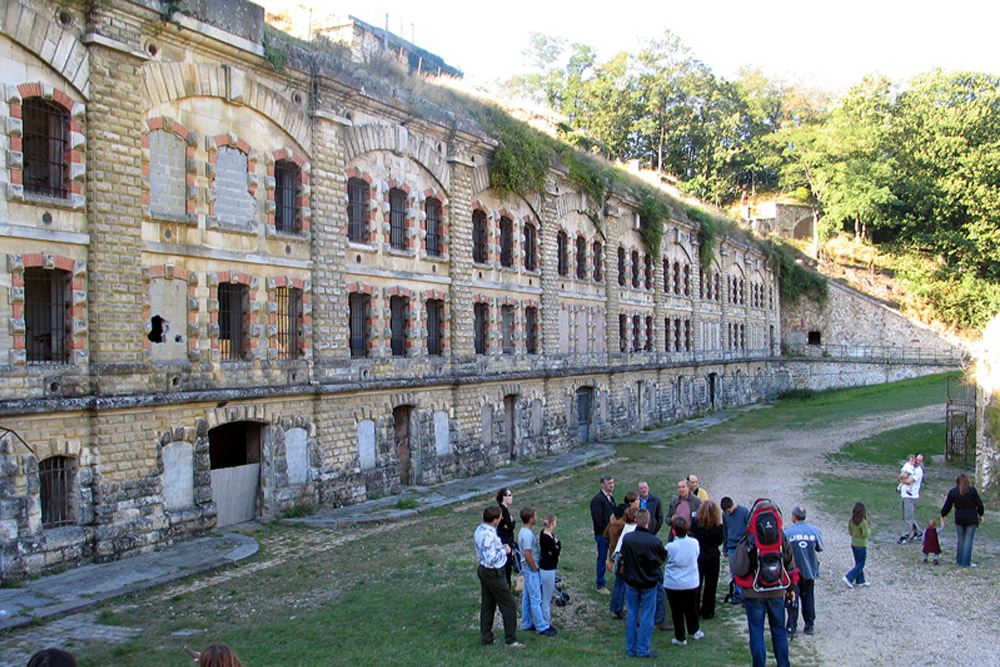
[(866, 582), (698, 635), (603, 590), (515, 644), (847, 581), (790, 632), (679, 642), (809, 631), (902, 538), (549, 632)]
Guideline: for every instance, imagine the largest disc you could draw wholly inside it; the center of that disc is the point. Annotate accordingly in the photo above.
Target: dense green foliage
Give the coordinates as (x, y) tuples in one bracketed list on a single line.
[(916, 167), (794, 279)]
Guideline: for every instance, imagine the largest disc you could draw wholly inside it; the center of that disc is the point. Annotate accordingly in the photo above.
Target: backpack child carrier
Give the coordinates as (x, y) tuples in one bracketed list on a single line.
[(762, 544)]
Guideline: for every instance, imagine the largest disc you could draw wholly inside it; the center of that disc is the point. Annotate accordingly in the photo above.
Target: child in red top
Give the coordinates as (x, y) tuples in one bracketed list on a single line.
[(931, 544)]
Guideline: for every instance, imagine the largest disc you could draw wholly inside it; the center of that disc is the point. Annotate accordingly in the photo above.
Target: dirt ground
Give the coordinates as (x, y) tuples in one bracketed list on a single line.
[(903, 618)]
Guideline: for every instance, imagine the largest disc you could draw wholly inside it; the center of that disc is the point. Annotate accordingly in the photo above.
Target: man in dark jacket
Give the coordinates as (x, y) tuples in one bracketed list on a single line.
[(685, 505), (602, 508), (643, 555), (647, 501)]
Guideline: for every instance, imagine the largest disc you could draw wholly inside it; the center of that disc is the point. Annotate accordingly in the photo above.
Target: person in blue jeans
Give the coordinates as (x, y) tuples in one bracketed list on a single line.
[(643, 555), (968, 515), (602, 508), (859, 529), (532, 616)]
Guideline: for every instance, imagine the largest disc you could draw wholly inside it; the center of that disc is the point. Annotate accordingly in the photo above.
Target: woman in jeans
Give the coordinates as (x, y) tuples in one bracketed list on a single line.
[(859, 530), (548, 563), (968, 516)]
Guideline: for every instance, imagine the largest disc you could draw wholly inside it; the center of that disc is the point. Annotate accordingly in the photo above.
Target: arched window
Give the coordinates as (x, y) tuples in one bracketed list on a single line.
[(45, 144)]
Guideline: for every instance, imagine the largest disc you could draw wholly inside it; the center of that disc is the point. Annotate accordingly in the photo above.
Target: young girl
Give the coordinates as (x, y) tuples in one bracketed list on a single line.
[(931, 544), (547, 564), (859, 530)]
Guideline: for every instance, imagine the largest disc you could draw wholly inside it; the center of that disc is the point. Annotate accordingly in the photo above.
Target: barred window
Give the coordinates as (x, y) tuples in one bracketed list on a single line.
[(289, 302), (397, 219), (47, 315), (562, 261), (481, 316), (649, 333), (506, 242), (622, 332), (56, 476), (718, 287), (621, 266), (359, 305), (666, 276), (45, 144), (531, 329), (666, 334), (479, 237), (232, 308), (435, 320), (398, 306), (507, 328), (635, 268), (358, 194), (636, 333), (677, 277), (598, 261), (581, 257), (432, 241), (687, 335), (530, 247), (677, 334), (286, 194), (648, 265), (687, 280)]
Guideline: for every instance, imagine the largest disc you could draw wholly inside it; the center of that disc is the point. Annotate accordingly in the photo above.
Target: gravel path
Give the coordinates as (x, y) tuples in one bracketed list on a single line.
[(904, 617)]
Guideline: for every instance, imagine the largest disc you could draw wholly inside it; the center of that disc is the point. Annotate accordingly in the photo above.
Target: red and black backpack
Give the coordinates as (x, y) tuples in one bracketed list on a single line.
[(762, 543)]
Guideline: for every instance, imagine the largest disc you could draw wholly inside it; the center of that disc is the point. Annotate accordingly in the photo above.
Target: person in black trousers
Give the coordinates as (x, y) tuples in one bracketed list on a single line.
[(505, 529), (710, 535)]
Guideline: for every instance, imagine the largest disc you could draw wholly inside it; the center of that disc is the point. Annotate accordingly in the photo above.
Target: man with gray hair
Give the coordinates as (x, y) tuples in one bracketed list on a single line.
[(806, 540)]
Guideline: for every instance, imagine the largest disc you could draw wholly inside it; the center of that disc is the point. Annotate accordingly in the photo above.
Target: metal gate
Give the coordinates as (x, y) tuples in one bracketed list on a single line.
[(960, 421)]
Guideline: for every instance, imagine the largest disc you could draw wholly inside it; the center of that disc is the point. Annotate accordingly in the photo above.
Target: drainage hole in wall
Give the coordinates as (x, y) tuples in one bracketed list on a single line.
[(47, 218), (152, 50), (54, 387), (357, 259), (175, 381), (288, 250), (167, 234)]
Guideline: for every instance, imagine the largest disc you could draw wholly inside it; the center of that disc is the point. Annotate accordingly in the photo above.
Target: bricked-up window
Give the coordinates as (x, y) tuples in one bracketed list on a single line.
[(398, 306), (45, 128), (622, 333), (621, 266), (581, 257), (289, 302), (234, 205), (359, 305), (286, 197), (635, 268), (506, 242), (432, 241), (232, 307), (481, 316), (649, 333), (562, 260), (358, 194), (167, 174), (598, 261), (531, 329), (530, 247), (47, 315), (479, 237), (507, 328), (56, 476), (435, 321), (648, 266), (397, 219), (636, 333)]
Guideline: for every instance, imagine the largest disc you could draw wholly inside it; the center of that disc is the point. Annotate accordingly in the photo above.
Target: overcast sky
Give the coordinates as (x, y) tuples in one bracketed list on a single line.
[(832, 44)]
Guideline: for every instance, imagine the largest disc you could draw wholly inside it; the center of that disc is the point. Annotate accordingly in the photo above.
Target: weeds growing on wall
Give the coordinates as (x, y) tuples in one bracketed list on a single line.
[(794, 279)]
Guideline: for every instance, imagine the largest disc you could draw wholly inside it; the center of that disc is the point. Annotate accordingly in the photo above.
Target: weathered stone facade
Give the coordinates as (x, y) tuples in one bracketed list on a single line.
[(987, 379), (254, 290)]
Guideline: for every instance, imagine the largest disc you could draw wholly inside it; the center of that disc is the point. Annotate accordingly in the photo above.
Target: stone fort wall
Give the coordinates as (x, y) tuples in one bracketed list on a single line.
[(228, 291)]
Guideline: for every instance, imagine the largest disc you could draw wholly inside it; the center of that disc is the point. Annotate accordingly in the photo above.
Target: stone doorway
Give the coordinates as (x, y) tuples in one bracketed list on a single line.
[(713, 378), (401, 426), (584, 408), (234, 458), (510, 425)]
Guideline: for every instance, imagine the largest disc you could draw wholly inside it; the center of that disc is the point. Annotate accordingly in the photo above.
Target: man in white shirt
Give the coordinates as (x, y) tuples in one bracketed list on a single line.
[(909, 494), (492, 555)]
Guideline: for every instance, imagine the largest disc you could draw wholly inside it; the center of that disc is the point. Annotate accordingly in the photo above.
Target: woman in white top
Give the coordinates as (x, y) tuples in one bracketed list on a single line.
[(680, 579)]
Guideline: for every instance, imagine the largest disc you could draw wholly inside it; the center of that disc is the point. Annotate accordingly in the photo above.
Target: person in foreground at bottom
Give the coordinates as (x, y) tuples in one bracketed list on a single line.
[(52, 657), (218, 655), (642, 556), (680, 579), (492, 555), (807, 541)]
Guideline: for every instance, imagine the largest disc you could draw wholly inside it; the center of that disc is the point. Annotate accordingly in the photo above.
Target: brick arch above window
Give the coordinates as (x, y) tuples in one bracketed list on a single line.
[(72, 148), (299, 199), (170, 168)]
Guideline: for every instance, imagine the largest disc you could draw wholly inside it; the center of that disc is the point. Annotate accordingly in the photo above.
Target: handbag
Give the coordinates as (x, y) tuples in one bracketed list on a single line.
[(519, 583)]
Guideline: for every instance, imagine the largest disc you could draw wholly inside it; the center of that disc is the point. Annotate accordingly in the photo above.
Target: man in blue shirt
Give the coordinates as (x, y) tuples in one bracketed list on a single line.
[(734, 521), (806, 540)]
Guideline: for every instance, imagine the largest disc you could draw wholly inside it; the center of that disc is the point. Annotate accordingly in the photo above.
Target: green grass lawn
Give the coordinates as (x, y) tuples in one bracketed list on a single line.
[(407, 593)]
